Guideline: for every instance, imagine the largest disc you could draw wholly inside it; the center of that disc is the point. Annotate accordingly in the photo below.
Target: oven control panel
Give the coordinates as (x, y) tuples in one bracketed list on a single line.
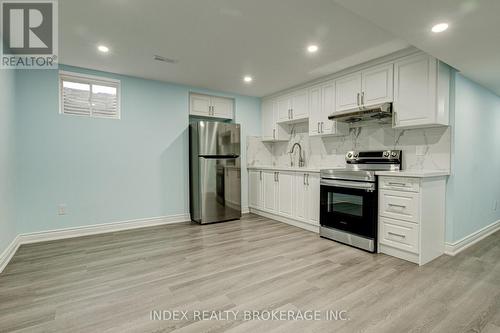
[(378, 156)]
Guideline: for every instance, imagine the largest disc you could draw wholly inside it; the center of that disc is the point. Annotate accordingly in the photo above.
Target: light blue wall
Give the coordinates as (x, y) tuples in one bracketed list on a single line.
[(474, 185), (7, 148), (108, 170)]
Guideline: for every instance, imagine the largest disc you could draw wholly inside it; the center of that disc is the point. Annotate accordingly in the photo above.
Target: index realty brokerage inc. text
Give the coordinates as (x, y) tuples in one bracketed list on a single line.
[(248, 315)]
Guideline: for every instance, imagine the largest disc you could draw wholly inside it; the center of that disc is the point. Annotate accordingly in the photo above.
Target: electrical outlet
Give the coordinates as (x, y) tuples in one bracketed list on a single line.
[(61, 209), (420, 150)]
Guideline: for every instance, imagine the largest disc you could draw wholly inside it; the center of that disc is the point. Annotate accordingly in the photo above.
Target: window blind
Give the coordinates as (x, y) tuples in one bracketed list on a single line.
[(89, 96)]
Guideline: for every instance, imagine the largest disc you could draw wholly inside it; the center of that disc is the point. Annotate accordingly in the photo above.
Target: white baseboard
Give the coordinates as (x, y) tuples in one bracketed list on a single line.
[(460, 245), (296, 223), (245, 210), (56, 234), (9, 252)]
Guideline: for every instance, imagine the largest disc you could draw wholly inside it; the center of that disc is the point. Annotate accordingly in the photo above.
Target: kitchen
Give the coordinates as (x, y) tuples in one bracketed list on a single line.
[(414, 89)]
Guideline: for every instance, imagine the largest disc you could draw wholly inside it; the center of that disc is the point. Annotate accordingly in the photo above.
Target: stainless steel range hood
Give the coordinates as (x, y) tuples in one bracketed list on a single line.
[(379, 112)]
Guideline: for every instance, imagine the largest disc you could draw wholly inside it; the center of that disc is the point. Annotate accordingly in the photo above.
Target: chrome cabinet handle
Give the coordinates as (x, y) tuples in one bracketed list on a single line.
[(274, 133), (304, 179), (395, 234), (357, 99), (307, 180), (260, 175), (322, 123), (397, 184), (291, 113), (277, 176), (318, 128), (363, 98), (395, 205)]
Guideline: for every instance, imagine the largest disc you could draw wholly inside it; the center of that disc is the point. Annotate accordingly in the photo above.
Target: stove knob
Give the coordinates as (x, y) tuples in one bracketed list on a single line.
[(349, 155), (356, 155), (393, 154), (386, 154)]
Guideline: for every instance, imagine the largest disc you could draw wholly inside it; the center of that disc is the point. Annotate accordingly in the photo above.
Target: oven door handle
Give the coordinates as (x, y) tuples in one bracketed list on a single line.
[(348, 184)]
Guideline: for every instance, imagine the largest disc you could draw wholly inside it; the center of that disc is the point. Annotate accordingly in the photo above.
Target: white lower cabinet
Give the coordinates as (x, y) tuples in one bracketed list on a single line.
[(286, 191), (270, 191), (292, 195), (255, 192), (412, 218)]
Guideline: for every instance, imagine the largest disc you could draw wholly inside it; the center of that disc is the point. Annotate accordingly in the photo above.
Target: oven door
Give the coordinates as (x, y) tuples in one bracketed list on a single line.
[(349, 206)]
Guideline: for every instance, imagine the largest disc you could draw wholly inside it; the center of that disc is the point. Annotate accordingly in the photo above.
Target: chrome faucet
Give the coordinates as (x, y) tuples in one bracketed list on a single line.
[(301, 158)]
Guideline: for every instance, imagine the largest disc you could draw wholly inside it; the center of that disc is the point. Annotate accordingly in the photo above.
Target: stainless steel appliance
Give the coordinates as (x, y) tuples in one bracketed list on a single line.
[(215, 171), (349, 199), (381, 113)]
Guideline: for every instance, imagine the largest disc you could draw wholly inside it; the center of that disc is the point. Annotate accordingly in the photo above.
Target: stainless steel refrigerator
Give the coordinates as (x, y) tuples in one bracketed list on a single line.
[(215, 171)]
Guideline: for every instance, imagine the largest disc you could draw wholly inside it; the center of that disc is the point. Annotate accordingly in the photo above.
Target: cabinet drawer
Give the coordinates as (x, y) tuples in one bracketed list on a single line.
[(399, 205), (399, 184), (399, 234)]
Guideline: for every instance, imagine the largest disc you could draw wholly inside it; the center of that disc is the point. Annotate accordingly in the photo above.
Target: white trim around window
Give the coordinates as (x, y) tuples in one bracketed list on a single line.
[(89, 96)]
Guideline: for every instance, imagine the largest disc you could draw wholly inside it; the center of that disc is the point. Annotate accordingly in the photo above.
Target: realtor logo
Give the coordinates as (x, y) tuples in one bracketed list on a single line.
[(29, 34)]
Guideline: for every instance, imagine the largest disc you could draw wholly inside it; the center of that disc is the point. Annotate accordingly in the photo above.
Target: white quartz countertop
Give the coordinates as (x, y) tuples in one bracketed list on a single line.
[(414, 173), (282, 168), (402, 173)]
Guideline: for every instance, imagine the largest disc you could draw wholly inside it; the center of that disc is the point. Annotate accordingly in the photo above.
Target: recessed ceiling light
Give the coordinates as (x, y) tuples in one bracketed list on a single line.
[(247, 79), (103, 49), (312, 48), (440, 27)]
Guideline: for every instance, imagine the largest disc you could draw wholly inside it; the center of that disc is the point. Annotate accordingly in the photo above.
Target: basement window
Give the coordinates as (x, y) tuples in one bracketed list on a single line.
[(88, 96)]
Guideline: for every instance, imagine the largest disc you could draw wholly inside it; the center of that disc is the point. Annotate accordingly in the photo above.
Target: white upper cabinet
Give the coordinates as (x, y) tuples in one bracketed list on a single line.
[(222, 107), (200, 105), (365, 88), (377, 85), (271, 130), (267, 119), (348, 92), (211, 106), (293, 107), (321, 105), (421, 92), (300, 104)]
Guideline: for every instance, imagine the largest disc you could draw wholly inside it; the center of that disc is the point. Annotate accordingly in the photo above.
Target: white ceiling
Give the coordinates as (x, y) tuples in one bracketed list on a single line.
[(471, 44), (217, 42)]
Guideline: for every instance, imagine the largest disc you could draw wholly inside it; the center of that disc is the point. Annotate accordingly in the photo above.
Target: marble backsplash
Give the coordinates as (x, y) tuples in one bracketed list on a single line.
[(433, 146)]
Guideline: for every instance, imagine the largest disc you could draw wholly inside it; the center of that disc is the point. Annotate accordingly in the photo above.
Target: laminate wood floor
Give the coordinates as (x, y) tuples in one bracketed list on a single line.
[(112, 282)]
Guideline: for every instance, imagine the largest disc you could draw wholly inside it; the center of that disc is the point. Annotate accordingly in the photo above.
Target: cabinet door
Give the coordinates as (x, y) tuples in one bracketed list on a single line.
[(269, 191), (222, 107), (199, 105), (415, 91), (283, 108), (255, 188), (300, 196), (315, 115), (327, 108), (285, 193), (347, 92), (300, 104), (313, 198), (377, 85), (267, 120)]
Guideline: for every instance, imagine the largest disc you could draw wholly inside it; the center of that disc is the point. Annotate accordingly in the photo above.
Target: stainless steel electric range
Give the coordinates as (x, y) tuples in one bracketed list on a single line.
[(349, 198)]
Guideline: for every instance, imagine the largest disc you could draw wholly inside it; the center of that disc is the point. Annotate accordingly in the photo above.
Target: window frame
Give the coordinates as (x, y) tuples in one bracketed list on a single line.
[(90, 80)]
